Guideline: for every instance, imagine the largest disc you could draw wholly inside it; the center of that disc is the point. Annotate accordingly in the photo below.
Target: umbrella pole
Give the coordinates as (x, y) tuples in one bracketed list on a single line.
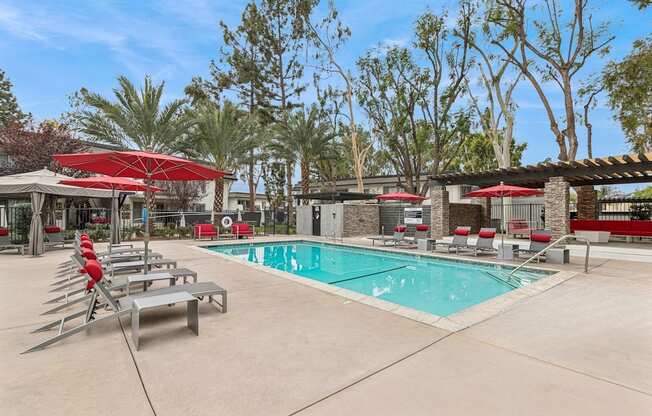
[(502, 217), (112, 219), (146, 235)]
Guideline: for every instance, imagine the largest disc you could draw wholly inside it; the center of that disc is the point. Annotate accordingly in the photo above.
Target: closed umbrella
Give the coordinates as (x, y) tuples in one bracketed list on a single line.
[(112, 183), (501, 191), (140, 165)]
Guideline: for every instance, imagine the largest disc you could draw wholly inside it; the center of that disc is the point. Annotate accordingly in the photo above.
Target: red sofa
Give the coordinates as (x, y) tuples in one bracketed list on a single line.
[(633, 228), (205, 231), (518, 227), (242, 230)]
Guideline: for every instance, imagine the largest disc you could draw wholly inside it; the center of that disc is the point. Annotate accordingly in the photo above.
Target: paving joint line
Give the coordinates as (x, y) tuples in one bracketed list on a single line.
[(373, 373)]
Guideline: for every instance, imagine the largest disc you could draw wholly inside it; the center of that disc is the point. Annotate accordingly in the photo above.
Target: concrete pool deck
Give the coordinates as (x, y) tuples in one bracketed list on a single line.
[(583, 346)]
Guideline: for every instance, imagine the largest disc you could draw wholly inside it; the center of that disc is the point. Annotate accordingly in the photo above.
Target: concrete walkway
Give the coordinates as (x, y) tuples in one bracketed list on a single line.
[(582, 347)]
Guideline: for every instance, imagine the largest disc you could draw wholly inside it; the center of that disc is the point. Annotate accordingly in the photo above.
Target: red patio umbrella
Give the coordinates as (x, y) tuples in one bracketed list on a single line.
[(501, 191), (140, 165), (112, 183)]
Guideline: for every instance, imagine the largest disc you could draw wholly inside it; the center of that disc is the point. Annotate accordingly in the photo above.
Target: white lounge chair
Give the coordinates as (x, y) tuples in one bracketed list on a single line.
[(397, 238), (460, 239), (6, 244), (484, 243)]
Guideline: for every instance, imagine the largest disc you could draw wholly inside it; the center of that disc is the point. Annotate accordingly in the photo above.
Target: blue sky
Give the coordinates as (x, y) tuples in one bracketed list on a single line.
[(50, 49)]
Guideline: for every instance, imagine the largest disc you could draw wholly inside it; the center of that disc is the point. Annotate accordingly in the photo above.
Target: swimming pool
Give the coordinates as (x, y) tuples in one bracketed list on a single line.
[(437, 286)]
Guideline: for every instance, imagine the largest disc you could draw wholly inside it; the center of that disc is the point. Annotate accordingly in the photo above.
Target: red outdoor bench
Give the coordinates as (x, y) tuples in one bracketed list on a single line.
[(518, 227), (205, 231), (633, 228), (242, 230)]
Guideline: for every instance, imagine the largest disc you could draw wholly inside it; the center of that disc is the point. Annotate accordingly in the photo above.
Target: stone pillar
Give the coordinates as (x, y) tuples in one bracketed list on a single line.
[(587, 203), (439, 210), (557, 199)]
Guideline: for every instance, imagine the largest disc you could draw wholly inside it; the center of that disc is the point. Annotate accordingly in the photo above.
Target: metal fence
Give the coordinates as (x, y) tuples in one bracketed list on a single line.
[(531, 214)]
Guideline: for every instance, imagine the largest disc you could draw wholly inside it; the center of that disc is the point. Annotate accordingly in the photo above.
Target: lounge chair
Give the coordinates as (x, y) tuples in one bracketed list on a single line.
[(5, 242), (397, 238), (460, 239), (102, 298), (484, 243), (242, 230), (539, 239), (117, 283), (518, 227), (421, 232)]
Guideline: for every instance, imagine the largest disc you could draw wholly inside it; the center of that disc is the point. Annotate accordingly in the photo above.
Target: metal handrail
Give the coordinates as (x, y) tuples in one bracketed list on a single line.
[(548, 247)]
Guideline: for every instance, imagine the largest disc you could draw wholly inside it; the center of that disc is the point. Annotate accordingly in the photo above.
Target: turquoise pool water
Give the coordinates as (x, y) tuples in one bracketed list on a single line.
[(436, 286)]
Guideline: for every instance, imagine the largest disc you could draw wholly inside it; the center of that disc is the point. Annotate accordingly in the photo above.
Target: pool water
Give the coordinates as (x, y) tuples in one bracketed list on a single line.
[(438, 286)]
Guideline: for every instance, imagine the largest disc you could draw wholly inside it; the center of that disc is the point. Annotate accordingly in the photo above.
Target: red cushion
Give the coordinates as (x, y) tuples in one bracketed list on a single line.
[(52, 229), (4, 231), (241, 229), (540, 238), (400, 229), (486, 234), (94, 270), (461, 231), (84, 237), (86, 244), (205, 229), (422, 227), (88, 254), (90, 284)]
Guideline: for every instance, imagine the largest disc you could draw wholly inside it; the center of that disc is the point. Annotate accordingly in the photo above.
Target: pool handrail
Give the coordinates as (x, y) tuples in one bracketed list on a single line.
[(554, 243)]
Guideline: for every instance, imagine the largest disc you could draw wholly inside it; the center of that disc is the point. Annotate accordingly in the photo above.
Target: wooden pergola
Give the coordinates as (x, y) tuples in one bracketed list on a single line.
[(633, 168)]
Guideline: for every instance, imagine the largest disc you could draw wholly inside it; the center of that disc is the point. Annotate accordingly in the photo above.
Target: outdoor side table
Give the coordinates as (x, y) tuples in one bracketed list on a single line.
[(151, 302), (558, 256), (146, 278), (425, 244), (506, 251)]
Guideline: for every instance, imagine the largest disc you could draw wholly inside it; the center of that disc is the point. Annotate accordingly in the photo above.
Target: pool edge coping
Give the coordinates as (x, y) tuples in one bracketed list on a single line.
[(451, 323)]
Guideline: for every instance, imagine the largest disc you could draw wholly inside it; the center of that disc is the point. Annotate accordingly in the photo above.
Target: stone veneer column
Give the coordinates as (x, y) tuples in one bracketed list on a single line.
[(587, 203), (557, 198), (439, 211)]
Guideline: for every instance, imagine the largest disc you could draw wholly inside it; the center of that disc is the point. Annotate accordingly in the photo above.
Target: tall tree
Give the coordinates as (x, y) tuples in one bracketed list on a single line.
[(10, 112), (551, 49), (389, 90), (240, 69), (31, 149), (305, 136), (137, 118), (221, 135), (328, 36), (448, 63), (282, 37), (498, 79), (629, 85)]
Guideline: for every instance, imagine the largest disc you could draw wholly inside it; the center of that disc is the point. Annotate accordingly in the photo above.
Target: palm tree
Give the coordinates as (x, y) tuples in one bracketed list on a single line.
[(223, 136), (305, 136), (136, 119)]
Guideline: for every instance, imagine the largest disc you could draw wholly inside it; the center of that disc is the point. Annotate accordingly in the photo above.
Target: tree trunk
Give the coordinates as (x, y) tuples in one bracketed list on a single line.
[(288, 167), (252, 185), (570, 131), (150, 204), (218, 201), (305, 178)]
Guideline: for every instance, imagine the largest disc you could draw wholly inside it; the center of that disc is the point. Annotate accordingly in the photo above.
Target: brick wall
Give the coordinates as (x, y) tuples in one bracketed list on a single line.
[(466, 215), (361, 220)]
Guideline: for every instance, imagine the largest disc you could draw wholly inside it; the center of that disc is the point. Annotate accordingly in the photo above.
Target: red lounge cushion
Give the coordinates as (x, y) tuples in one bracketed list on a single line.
[(94, 270), (84, 238), (400, 229), (486, 234), (82, 235), (541, 238), (205, 229), (90, 284), (52, 229), (461, 231), (88, 254), (422, 227), (241, 229), (86, 244), (4, 231)]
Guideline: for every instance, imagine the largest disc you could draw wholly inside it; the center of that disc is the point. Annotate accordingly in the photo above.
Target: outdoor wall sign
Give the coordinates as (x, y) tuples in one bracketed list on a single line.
[(413, 215)]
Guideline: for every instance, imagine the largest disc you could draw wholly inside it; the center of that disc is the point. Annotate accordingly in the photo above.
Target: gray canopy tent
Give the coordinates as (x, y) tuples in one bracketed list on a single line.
[(36, 185)]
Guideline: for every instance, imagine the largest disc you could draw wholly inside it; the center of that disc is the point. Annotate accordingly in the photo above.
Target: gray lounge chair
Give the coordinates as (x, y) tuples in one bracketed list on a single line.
[(460, 239), (6, 244), (54, 239), (484, 243), (102, 298), (539, 239), (397, 238)]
